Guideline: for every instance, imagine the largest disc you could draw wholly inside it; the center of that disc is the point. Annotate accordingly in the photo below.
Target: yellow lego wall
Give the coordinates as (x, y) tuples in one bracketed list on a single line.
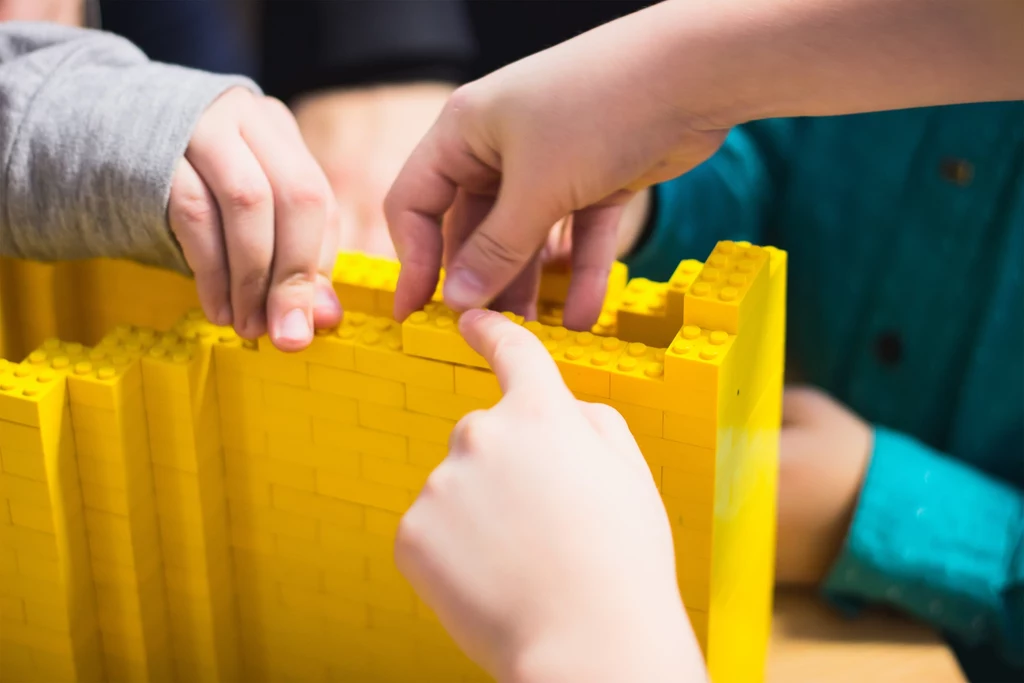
[(188, 506)]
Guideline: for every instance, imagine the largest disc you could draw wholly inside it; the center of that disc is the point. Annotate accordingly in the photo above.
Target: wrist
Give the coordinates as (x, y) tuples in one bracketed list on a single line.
[(658, 647)]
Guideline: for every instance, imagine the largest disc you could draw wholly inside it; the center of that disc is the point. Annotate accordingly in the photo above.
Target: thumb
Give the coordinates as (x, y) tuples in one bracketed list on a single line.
[(499, 249), (518, 359)]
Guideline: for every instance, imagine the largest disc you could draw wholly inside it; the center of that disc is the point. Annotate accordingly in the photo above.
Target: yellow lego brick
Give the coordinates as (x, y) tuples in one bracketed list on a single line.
[(279, 398), (555, 279), (37, 517), (39, 567), (382, 523), (695, 482), (247, 491), (640, 419), (331, 458), (379, 353), (347, 562), (360, 439), (481, 384), (365, 283), (679, 455), (643, 314), (20, 437), (50, 617), (39, 638), (425, 453), (12, 609), (36, 542), (27, 491), (638, 377), (344, 540), (320, 604), (731, 287), (685, 275), (29, 395), (335, 347), (357, 386), (391, 473), (405, 423), (386, 596), (433, 333), (442, 403), (251, 538), (607, 324), (363, 492), (697, 431), (582, 358), (104, 383), (32, 589), (274, 521), (251, 467), (21, 464), (320, 507), (277, 366)]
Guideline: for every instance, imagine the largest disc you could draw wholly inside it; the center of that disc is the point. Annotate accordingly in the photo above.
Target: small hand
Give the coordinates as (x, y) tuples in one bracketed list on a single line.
[(824, 453), (541, 541), (361, 138), (574, 130), (255, 219)]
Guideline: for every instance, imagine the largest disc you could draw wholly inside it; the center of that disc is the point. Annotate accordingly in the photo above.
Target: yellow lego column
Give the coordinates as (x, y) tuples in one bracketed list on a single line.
[(49, 625), (745, 503), (280, 479), (117, 485), (188, 472)]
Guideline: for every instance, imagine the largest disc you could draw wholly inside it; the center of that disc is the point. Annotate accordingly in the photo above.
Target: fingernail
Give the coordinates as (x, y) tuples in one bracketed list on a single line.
[(326, 300), (294, 326), (463, 289), (223, 317)]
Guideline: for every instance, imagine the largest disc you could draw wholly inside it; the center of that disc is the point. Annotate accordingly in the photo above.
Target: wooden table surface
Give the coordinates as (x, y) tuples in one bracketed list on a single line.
[(811, 644)]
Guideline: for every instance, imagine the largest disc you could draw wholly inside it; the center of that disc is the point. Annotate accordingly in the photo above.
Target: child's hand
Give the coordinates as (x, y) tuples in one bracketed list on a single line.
[(255, 218), (576, 129), (824, 453), (541, 541)]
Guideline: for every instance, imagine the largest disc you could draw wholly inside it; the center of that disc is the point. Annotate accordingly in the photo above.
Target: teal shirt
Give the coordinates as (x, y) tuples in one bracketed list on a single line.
[(906, 239)]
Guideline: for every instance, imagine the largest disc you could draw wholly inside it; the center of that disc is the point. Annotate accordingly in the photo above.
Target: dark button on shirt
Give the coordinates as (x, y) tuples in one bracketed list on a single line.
[(957, 171), (888, 348)]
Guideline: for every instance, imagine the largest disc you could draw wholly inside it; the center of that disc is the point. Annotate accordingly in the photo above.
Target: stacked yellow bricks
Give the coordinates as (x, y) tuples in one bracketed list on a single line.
[(209, 509)]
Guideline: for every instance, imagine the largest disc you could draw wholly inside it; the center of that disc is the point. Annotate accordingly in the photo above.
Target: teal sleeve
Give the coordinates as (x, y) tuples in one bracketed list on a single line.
[(729, 196), (940, 541)]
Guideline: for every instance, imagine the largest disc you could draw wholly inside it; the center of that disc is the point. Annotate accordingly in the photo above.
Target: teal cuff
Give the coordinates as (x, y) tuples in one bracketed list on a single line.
[(934, 538)]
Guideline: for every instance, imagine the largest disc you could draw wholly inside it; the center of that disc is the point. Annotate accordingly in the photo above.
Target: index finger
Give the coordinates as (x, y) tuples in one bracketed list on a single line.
[(516, 356), (413, 208), (423, 192)]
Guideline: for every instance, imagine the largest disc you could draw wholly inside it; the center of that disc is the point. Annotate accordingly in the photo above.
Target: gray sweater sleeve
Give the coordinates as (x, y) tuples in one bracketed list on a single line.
[(90, 134)]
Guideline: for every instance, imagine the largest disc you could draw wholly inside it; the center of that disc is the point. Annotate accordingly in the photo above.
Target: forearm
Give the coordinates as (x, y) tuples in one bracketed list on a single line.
[(90, 135), (721, 63)]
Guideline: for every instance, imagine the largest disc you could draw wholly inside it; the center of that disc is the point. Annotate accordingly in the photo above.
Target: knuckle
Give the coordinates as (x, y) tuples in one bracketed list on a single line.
[(305, 194), (471, 434), (193, 208), (247, 195), (276, 106), (609, 417), (497, 252), (467, 100), (255, 280)]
